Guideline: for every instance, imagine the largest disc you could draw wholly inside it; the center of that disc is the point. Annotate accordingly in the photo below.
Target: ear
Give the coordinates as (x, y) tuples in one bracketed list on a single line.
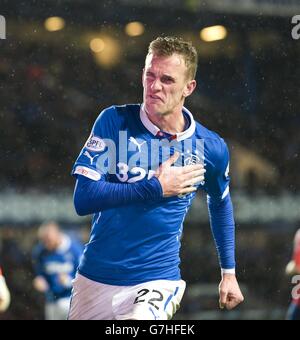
[(189, 88)]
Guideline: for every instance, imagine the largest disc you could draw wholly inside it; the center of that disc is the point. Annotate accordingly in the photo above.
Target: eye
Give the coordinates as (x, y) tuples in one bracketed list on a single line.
[(167, 80), (150, 75)]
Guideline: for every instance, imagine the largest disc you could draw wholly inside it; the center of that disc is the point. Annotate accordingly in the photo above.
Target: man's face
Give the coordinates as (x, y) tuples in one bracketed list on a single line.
[(51, 239), (165, 84)]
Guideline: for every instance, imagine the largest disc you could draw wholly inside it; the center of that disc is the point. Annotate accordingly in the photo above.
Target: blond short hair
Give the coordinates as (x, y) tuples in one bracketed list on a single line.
[(167, 46)]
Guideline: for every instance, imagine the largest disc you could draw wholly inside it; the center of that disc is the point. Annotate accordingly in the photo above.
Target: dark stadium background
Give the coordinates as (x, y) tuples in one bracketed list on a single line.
[(52, 87)]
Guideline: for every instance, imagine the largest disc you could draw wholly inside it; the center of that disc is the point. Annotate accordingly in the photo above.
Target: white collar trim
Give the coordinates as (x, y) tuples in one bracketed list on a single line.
[(154, 129)]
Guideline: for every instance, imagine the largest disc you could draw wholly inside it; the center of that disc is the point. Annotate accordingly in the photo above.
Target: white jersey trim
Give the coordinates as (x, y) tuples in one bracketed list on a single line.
[(228, 271), (226, 192), (87, 172), (154, 129)]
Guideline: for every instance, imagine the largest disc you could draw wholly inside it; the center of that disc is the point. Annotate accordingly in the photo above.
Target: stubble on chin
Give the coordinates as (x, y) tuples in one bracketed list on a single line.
[(156, 111)]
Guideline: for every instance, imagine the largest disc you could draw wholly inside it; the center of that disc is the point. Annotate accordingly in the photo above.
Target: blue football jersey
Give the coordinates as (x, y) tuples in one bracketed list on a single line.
[(140, 242), (58, 267)]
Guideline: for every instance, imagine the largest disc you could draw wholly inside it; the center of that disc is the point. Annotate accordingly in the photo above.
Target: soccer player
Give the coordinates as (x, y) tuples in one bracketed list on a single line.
[(293, 268), (4, 294), (138, 174), (55, 259)]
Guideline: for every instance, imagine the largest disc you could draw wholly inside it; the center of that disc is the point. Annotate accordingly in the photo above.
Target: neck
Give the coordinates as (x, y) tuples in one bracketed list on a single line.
[(171, 123)]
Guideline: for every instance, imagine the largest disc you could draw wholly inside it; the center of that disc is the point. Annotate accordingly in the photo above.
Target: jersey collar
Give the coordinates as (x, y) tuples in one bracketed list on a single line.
[(157, 132)]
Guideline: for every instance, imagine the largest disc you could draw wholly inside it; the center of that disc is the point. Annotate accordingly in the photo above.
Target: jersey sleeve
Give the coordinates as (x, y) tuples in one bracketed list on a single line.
[(296, 253), (36, 261), (217, 176), (297, 257), (220, 205), (94, 192), (97, 155)]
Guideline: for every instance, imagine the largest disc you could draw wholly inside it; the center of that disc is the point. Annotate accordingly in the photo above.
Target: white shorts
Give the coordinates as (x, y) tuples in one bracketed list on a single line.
[(153, 300), (57, 310)]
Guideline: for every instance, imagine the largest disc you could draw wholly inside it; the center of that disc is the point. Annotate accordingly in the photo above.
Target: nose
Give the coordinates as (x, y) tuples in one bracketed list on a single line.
[(156, 85)]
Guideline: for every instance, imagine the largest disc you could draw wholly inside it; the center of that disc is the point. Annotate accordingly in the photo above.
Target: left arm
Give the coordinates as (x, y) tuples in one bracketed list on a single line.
[(223, 226), (39, 282), (223, 229)]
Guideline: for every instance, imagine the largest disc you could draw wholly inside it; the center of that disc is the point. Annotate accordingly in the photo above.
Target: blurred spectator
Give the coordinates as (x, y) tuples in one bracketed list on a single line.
[(4, 294), (293, 268), (55, 259)]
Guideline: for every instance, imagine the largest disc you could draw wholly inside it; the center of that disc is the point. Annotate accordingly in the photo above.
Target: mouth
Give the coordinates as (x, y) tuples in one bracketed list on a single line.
[(153, 97)]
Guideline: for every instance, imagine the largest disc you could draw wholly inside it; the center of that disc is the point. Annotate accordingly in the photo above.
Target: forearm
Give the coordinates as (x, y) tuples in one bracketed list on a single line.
[(223, 229), (91, 197)]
